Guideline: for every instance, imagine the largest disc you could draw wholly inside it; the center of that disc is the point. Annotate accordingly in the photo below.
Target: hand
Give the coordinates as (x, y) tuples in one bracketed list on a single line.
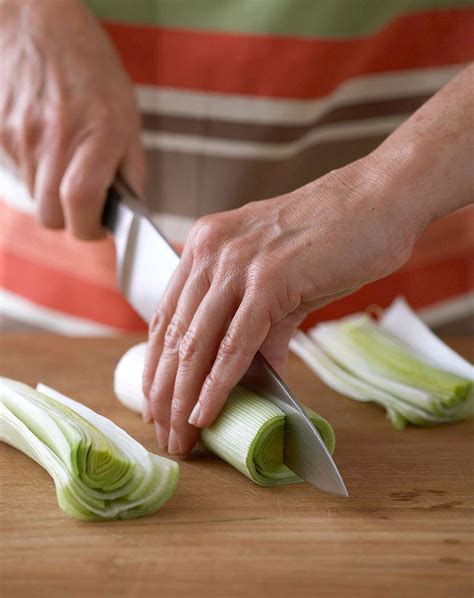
[(248, 277), (67, 112)]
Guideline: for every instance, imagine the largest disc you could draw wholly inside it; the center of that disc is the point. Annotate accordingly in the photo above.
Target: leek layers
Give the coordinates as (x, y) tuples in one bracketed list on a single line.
[(99, 471), (367, 362), (249, 433)]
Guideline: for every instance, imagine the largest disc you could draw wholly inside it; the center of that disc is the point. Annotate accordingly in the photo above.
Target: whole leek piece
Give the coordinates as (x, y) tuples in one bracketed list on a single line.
[(249, 433), (362, 360), (99, 471)]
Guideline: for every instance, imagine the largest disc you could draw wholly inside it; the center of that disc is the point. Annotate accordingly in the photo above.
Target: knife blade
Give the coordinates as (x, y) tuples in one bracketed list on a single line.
[(145, 263)]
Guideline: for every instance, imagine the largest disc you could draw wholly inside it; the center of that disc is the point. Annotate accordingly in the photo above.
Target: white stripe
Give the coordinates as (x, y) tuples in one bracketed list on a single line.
[(448, 311), (14, 192), (251, 109), (19, 308), (177, 142)]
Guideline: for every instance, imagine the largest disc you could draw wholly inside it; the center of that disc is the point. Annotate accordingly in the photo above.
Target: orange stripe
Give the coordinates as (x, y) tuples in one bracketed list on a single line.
[(66, 292), (21, 234), (69, 293), (289, 67), (421, 287), (55, 271)]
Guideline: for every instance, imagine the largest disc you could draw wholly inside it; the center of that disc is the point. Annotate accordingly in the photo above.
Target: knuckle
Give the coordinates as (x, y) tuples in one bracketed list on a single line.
[(157, 322), (73, 190), (106, 119), (206, 234), (188, 347), (213, 383), (232, 347), (259, 275), (78, 191), (173, 335), (229, 347)]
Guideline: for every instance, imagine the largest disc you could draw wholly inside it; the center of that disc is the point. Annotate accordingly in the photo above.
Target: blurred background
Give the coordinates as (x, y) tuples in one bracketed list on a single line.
[(248, 102)]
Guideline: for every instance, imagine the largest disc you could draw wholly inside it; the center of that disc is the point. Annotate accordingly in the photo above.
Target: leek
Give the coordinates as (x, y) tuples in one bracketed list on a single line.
[(99, 471), (367, 362), (249, 433)]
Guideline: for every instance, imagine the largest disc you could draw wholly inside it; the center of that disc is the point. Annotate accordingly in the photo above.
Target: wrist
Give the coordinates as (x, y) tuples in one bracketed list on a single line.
[(382, 182), (400, 180), (427, 161)]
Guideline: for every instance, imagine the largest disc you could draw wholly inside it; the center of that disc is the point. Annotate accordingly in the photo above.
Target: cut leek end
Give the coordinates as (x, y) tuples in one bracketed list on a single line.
[(99, 471), (250, 434)]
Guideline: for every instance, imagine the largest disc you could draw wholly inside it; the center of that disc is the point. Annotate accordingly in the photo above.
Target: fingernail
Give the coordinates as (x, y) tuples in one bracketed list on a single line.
[(195, 413), (161, 435), (173, 444), (146, 414)]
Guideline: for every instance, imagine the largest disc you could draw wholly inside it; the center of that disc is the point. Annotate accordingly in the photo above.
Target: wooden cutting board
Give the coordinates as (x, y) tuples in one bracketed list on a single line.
[(406, 530)]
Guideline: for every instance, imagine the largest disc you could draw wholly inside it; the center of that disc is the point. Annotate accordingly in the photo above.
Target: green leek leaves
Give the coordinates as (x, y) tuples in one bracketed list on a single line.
[(368, 362), (99, 471)]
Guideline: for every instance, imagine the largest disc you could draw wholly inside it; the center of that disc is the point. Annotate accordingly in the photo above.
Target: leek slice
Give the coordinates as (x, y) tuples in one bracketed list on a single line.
[(249, 433), (367, 362), (99, 471)]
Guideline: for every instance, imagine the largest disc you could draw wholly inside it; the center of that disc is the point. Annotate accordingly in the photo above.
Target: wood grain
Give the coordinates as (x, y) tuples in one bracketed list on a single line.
[(406, 530)]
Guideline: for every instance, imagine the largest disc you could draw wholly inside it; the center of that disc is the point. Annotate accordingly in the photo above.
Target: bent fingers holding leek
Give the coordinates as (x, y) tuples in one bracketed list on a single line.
[(249, 433)]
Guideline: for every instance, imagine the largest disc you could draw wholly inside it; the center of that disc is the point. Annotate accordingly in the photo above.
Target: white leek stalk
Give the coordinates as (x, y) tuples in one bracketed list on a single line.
[(249, 433), (366, 362), (99, 471)]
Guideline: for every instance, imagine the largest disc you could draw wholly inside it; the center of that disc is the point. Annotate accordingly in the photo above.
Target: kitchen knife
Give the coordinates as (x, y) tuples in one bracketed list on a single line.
[(145, 263)]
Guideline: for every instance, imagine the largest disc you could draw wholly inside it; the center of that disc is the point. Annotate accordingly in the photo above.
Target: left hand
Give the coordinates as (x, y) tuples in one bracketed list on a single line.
[(248, 277)]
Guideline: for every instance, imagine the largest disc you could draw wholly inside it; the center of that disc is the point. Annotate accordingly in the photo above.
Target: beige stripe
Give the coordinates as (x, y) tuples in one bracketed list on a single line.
[(239, 108), (207, 146), (193, 184)]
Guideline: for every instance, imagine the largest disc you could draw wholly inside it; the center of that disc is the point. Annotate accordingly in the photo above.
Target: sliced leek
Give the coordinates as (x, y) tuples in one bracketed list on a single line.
[(365, 361), (249, 433), (99, 471)]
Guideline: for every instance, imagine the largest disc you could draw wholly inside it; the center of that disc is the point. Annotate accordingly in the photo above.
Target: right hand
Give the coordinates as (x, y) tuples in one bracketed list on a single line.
[(68, 119)]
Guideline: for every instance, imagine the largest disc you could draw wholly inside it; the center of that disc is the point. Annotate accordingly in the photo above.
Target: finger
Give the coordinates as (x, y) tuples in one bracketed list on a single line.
[(275, 346), (245, 335), (133, 167), (83, 189), (161, 392), (161, 320), (197, 353), (49, 173)]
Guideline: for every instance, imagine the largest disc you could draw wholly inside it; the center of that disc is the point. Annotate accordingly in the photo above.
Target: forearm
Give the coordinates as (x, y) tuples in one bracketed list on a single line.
[(428, 162)]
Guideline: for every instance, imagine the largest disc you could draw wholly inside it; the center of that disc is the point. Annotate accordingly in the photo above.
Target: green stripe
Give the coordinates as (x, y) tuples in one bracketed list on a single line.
[(306, 18)]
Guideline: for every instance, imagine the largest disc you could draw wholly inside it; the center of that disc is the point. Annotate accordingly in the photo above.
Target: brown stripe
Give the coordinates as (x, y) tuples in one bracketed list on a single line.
[(272, 133), (193, 185)]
